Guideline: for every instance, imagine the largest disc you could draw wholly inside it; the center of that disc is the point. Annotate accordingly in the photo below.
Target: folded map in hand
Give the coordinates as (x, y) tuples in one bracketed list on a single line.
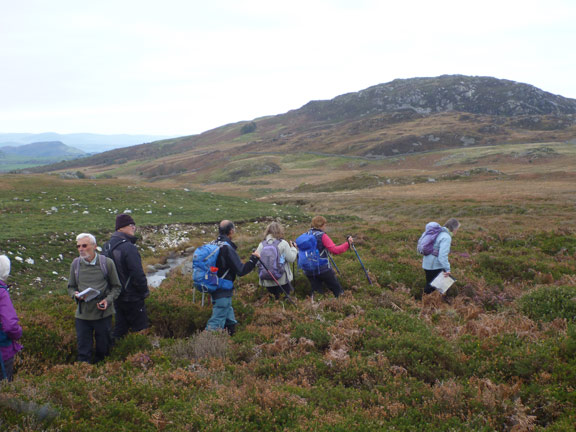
[(89, 294), (442, 282)]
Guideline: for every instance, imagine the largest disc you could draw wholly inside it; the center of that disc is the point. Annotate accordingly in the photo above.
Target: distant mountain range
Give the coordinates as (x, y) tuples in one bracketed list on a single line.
[(90, 143), (402, 117), (43, 149), (40, 153)]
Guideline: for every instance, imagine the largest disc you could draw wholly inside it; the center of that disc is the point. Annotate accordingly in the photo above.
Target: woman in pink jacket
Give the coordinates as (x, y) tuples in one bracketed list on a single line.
[(10, 330), (326, 246)]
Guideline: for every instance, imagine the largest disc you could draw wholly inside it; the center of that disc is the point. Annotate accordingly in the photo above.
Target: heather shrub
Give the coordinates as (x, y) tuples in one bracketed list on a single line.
[(172, 310), (315, 331), (407, 342), (129, 344), (509, 356), (49, 335), (206, 344), (549, 303), (568, 344), (498, 268), (554, 243)]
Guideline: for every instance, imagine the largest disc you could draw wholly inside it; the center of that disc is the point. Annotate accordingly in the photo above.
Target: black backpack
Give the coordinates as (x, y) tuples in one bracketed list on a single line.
[(109, 250)]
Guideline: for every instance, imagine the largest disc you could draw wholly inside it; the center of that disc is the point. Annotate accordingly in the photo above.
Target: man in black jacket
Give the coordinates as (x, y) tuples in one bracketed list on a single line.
[(229, 266), (130, 307)]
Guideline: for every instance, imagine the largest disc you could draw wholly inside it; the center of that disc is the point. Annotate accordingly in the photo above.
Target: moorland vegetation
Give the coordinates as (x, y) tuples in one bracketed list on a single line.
[(499, 356)]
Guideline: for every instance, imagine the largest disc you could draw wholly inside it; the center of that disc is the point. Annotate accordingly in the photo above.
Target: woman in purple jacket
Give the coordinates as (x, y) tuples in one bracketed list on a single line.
[(10, 330)]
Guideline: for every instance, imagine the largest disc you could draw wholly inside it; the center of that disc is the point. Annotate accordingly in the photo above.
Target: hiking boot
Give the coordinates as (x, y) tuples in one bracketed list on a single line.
[(231, 329)]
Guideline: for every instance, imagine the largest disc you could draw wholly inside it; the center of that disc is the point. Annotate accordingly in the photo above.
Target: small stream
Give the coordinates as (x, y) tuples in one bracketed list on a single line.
[(155, 278)]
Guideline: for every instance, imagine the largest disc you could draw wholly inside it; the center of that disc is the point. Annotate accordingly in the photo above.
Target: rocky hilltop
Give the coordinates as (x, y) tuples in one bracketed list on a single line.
[(476, 95), (404, 116)]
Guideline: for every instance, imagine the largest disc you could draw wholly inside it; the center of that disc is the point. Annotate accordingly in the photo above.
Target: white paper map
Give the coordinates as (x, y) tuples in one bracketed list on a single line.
[(442, 282), (89, 293)]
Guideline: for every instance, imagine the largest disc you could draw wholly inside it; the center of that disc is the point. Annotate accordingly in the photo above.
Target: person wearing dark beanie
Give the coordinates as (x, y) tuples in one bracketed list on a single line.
[(130, 306), (123, 220)]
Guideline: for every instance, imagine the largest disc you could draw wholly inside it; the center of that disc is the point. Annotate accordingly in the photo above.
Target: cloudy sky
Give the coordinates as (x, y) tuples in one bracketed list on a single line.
[(180, 67)]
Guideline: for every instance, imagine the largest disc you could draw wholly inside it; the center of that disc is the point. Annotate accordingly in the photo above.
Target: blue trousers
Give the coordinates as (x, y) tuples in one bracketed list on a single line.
[(222, 314)]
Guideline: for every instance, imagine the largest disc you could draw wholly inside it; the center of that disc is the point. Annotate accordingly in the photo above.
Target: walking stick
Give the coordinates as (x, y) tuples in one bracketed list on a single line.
[(277, 283), (334, 264), (361, 263)]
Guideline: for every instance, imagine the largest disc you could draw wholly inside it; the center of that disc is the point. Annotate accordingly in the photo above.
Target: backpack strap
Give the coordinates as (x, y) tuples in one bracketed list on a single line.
[(116, 256), (220, 244), (103, 266), (109, 248), (318, 234), (76, 268)]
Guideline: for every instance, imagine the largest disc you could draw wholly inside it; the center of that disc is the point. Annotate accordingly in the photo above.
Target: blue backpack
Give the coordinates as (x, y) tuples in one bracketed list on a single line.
[(426, 242), (273, 261), (310, 260), (205, 272)]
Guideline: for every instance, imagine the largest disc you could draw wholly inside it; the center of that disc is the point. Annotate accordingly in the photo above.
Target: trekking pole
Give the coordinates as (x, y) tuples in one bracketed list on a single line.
[(334, 264), (277, 283), (361, 263)]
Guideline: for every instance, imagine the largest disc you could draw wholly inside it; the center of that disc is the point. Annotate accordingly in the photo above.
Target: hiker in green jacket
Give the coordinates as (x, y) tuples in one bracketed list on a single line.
[(95, 310)]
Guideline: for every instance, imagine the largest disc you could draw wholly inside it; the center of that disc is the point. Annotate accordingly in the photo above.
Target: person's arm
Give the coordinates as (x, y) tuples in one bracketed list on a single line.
[(235, 264), (259, 248), (332, 248), (114, 281), (8, 318), (290, 252), (443, 251), (72, 283), (134, 270)]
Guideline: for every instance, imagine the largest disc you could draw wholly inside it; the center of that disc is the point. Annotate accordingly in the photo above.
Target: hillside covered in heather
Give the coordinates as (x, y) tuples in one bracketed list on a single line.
[(402, 117)]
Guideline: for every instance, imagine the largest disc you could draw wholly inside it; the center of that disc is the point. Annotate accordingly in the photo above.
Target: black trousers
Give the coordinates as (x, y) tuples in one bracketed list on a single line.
[(328, 278), (130, 316), (93, 334), (278, 292), (430, 276), (8, 369)]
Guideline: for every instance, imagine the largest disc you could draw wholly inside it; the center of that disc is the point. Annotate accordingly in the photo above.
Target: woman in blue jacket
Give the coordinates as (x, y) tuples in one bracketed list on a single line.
[(437, 261)]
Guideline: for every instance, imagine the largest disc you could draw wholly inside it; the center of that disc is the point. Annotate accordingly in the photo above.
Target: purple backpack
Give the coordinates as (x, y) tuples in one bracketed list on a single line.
[(272, 259), (428, 238)]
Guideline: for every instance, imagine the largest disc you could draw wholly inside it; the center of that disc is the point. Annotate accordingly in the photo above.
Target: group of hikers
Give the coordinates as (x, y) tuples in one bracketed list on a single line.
[(113, 283)]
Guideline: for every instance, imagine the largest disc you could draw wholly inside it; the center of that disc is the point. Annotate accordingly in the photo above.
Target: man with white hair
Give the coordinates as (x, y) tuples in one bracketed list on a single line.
[(95, 307)]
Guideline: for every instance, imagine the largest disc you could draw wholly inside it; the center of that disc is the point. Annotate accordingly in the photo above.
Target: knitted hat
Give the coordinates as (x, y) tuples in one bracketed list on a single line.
[(4, 267), (123, 220)]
